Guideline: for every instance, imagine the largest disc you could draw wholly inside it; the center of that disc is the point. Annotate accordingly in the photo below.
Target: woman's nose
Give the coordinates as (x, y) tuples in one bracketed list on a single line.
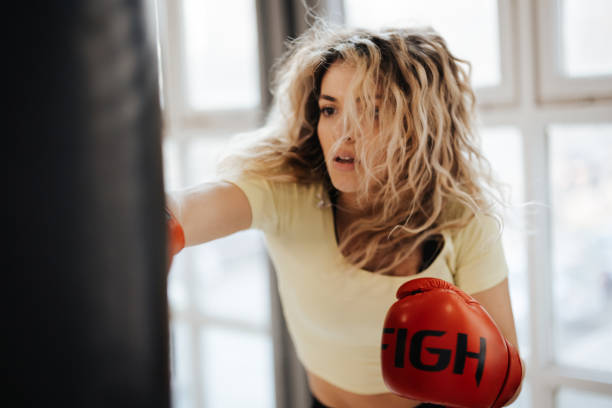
[(340, 131)]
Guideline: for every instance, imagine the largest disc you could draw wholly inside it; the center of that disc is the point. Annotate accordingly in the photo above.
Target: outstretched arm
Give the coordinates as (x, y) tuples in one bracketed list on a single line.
[(211, 210)]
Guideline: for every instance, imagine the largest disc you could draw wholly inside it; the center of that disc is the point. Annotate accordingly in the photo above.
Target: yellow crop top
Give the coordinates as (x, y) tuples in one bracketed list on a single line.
[(334, 311)]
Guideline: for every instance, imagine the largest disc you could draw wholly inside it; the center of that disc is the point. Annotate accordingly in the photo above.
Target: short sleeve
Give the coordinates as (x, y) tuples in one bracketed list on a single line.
[(261, 195), (480, 262)]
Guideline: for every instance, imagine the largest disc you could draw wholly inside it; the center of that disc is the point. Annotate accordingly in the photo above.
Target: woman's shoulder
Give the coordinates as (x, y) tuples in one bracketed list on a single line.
[(481, 233), (478, 226), (282, 187), (464, 222)]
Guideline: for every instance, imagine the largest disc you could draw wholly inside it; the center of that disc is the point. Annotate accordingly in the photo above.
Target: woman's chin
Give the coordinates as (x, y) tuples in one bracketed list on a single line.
[(345, 186)]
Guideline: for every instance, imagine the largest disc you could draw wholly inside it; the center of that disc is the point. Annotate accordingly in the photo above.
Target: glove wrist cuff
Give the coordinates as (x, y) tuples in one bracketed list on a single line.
[(176, 235), (514, 376)]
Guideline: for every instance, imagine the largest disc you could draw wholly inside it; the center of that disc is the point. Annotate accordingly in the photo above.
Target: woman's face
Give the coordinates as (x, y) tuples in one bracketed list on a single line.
[(341, 167)]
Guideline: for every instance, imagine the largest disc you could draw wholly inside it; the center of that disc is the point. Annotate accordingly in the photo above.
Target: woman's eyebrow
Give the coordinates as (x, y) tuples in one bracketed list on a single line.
[(329, 98)]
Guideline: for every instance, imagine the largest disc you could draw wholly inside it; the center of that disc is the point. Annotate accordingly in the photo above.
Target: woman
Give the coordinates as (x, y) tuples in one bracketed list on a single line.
[(367, 174)]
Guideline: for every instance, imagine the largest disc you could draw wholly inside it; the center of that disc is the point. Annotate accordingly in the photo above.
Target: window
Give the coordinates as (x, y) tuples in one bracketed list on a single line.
[(218, 292), (476, 30), (575, 52), (503, 147), (581, 197), (238, 369), (568, 398), (585, 33), (219, 301), (220, 60)]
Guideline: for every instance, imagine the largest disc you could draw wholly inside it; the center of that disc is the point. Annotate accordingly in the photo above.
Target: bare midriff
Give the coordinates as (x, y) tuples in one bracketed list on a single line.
[(335, 397)]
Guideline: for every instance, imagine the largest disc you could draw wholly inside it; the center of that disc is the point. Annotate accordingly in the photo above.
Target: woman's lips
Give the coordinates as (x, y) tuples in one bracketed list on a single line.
[(344, 165), (345, 153)]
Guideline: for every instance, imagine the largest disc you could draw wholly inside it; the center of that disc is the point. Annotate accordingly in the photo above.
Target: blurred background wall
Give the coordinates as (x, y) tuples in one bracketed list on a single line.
[(542, 70)]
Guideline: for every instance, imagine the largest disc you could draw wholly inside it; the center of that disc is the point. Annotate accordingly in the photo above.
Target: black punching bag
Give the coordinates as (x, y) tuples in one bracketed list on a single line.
[(85, 292)]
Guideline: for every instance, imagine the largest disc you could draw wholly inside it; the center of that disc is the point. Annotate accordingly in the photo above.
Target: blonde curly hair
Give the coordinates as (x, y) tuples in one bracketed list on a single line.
[(423, 171)]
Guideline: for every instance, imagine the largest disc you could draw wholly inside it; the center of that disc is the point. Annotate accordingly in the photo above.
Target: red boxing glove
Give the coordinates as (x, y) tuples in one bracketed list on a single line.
[(439, 345), (176, 235)]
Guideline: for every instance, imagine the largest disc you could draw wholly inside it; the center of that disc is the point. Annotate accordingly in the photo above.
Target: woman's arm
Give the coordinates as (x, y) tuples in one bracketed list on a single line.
[(209, 211), (496, 302)]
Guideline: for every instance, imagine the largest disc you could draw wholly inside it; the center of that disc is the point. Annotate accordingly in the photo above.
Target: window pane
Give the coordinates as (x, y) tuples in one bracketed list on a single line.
[(586, 33), (569, 398), (470, 28), (234, 284), (201, 153), (178, 289), (503, 148), (231, 268), (221, 63), (171, 162), (224, 279), (238, 369), (181, 368), (581, 197)]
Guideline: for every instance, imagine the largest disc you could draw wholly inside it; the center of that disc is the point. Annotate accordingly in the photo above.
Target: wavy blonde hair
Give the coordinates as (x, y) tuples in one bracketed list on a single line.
[(420, 168)]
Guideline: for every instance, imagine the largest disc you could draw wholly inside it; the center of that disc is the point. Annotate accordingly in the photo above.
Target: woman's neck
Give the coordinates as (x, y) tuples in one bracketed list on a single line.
[(346, 211), (347, 204)]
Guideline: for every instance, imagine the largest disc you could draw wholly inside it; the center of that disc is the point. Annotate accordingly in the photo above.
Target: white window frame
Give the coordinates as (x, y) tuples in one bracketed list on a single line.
[(554, 86), (506, 92), (179, 116), (181, 125), (544, 376)]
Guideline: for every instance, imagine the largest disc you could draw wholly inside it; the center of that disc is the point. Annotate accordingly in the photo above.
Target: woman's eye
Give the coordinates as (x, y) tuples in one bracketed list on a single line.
[(327, 111)]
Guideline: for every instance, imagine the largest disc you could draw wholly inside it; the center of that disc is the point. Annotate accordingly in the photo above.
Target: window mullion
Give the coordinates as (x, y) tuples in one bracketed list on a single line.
[(173, 51), (504, 94), (539, 259)]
